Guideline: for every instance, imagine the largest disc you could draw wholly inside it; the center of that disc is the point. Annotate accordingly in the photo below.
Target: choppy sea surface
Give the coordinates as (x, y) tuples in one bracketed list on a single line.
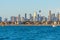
[(29, 33)]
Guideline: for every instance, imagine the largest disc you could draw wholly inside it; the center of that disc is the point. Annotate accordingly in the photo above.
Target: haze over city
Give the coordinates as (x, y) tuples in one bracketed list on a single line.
[(10, 8)]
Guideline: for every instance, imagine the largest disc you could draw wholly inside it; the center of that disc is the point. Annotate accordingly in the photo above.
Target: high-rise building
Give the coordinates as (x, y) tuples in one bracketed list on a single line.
[(38, 17), (25, 17), (30, 17), (19, 18), (0, 19), (5, 20), (49, 16), (35, 16), (44, 18), (22, 19), (58, 16), (53, 18), (13, 19)]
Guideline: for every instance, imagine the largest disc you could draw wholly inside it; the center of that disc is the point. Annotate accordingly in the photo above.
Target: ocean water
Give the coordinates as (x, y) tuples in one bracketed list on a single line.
[(29, 33)]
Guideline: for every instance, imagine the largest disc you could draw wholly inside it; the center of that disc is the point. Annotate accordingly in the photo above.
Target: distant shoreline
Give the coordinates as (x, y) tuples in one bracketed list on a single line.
[(28, 25)]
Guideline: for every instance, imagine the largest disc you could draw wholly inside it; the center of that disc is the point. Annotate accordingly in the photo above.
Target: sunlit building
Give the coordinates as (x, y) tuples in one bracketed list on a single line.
[(59, 17), (22, 19), (35, 16)]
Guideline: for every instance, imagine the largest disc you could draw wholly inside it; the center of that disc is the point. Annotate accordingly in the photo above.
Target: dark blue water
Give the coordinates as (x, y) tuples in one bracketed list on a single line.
[(29, 33)]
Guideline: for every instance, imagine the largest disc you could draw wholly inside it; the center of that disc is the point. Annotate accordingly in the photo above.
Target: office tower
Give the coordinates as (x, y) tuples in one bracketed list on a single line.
[(13, 19), (58, 16), (39, 11), (44, 18), (22, 19), (30, 18), (49, 16), (35, 16), (25, 17), (5, 20), (0, 19), (53, 18), (38, 17), (53, 15), (19, 18)]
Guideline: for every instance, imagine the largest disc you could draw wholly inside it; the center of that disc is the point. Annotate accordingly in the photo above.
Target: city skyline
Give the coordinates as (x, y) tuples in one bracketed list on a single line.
[(14, 7), (33, 17)]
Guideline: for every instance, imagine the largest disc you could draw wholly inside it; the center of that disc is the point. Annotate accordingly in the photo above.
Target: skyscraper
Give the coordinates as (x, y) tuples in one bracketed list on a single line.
[(58, 16), (49, 16), (22, 19), (38, 17), (5, 20), (53, 18), (44, 18), (13, 19), (30, 17), (25, 17), (0, 19), (35, 16), (19, 18)]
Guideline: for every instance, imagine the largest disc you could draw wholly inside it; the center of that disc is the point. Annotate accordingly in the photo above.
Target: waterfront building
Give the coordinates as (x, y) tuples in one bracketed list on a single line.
[(35, 16), (0, 19)]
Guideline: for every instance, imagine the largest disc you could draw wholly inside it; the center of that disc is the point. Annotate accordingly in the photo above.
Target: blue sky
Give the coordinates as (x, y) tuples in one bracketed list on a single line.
[(14, 7)]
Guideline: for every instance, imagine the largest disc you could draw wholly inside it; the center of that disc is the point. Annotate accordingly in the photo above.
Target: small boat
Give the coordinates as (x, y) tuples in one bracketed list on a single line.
[(53, 25)]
